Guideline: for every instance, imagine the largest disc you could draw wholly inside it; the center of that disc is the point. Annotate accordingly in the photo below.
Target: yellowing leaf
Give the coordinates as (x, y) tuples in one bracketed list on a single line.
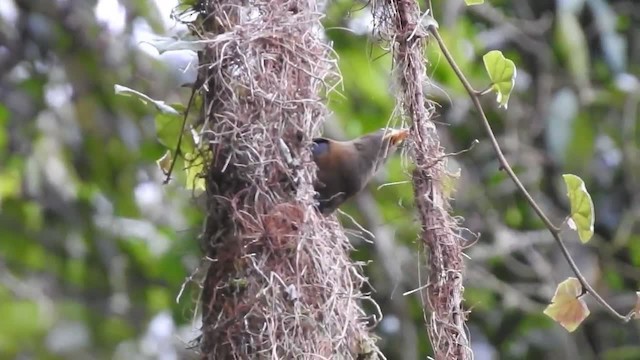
[(473, 2), (164, 163), (582, 212), (566, 307), (502, 73)]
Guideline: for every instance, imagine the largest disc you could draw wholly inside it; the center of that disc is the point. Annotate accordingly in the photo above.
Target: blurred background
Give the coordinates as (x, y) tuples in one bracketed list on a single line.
[(95, 251)]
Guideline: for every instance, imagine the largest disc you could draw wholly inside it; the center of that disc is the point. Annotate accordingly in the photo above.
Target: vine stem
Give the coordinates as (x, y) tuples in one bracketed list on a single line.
[(554, 230), (182, 128)]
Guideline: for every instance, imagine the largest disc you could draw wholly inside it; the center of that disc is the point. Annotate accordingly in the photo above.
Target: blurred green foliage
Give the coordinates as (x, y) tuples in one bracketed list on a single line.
[(94, 250)]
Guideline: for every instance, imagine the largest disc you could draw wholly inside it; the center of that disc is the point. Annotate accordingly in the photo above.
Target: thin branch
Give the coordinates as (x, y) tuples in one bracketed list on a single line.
[(182, 128), (554, 230)]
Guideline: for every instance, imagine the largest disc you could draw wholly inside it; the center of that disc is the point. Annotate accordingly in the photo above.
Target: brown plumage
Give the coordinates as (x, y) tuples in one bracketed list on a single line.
[(345, 167)]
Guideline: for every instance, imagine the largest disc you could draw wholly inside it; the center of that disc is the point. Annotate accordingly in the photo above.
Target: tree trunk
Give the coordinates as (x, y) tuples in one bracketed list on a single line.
[(280, 283)]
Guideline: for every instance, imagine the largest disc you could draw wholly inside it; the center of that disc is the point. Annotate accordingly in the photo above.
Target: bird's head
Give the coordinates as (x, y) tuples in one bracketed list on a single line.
[(376, 147)]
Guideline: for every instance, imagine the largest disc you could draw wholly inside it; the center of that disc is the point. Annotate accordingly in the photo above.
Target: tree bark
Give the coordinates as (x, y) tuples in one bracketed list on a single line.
[(280, 283)]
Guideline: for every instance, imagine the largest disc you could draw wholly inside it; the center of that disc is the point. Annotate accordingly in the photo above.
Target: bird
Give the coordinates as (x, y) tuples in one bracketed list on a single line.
[(344, 168)]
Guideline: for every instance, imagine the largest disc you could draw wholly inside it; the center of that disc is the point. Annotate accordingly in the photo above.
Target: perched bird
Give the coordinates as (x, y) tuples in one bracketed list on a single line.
[(345, 167)]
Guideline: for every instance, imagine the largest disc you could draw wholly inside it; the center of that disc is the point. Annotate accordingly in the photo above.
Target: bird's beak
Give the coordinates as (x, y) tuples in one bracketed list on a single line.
[(396, 137)]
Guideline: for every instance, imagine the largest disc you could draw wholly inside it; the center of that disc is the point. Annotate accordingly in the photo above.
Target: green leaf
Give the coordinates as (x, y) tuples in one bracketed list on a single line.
[(159, 104), (168, 129), (10, 182), (473, 2), (158, 298), (582, 213), (4, 118), (502, 73), (624, 352), (573, 46), (194, 165), (14, 328)]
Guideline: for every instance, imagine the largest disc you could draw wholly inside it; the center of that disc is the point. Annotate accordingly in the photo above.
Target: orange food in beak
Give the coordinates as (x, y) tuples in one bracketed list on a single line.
[(397, 136)]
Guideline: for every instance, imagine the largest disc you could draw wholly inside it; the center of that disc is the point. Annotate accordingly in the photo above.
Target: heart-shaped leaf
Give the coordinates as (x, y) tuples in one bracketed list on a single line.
[(582, 212), (502, 73), (567, 307)]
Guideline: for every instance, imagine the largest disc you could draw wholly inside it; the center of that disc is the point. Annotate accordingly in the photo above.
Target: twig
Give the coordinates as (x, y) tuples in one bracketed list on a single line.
[(184, 124), (484, 92)]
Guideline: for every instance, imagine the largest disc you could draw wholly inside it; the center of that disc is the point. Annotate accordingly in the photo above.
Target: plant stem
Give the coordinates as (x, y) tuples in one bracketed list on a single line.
[(554, 230)]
